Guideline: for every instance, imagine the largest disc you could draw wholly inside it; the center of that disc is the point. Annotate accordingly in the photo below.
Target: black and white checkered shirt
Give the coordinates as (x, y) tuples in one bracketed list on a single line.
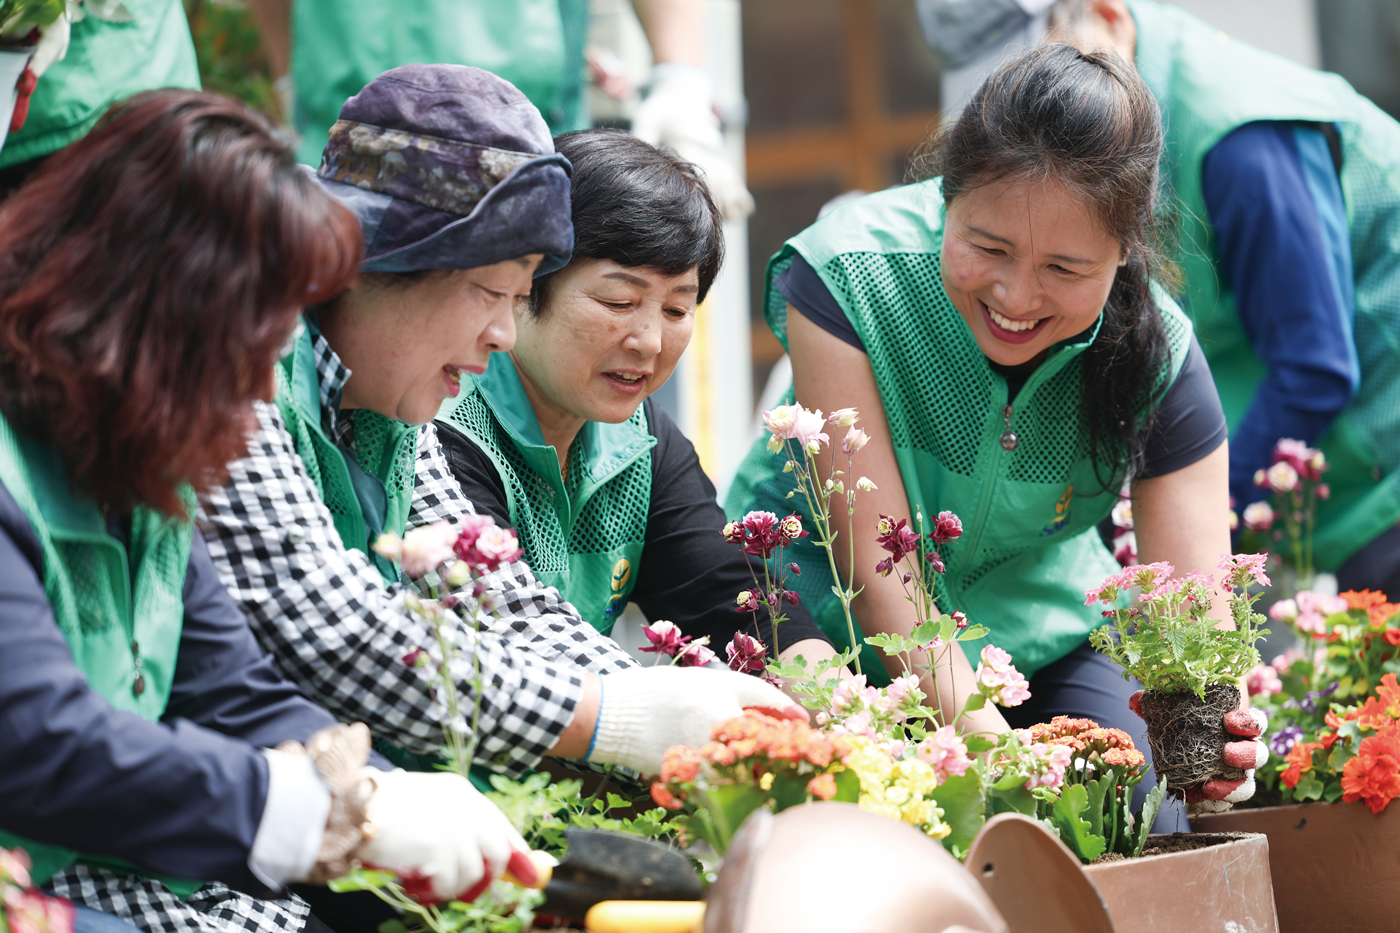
[(335, 629)]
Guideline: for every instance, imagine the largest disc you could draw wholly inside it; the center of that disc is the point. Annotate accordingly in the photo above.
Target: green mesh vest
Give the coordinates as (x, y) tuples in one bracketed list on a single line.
[(367, 494), (1029, 548), (1209, 85), (583, 535), (120, 626)]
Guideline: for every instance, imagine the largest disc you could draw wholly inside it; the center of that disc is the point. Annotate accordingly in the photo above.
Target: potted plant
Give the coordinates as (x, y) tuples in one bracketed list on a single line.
[(1335, 708), (1189, 667)]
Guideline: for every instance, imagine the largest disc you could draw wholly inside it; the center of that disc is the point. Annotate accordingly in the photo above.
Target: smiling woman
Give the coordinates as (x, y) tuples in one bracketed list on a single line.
[(998, 327), (558, 437)]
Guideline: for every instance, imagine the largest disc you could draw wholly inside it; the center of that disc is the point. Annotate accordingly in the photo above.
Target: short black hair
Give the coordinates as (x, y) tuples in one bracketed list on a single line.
[(638, 205)]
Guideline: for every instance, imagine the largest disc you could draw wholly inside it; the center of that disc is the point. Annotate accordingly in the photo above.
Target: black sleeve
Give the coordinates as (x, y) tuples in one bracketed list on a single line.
[(688, 574), (172, 797), (800, 285), (481, 483), (1189, 422)]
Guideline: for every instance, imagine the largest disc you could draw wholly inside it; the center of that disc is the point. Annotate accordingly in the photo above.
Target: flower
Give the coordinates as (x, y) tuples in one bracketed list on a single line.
[(1263, 681), (696, 655), (1307, 462), (745, 653), (865, 485), (427, 547), (1282, 741), (1299, 761), (1122, 514), (1323, 491), (1374, 774), (946, 527), (665, 637), (664, 798), (1282, 477), (680, 763), (791, 528), (945, 752), (388, 545), (733, 532), (746, 601), (761, 534), (843, 417), (416, 658), (896, 537), (999, 681), (14, 867), (1378, 609), (823, 786), (960, 619), (1125, 549), (854, 441), (780, 422), (498, 546), (1240, 569), (1258, 516), (35, 912), (808, 430), (936, 562), (1285, 610)]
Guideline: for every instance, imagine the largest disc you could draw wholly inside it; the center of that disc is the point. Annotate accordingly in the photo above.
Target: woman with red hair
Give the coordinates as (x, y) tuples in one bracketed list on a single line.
[(149, 276)]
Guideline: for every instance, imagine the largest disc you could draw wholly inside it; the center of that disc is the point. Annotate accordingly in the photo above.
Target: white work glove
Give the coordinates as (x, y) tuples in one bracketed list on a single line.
[(646, 710), (678, 112), (440, 835)]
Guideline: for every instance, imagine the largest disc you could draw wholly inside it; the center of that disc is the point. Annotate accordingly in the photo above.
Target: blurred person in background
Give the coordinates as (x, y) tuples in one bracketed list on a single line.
[(1284, 202), (332, 48)]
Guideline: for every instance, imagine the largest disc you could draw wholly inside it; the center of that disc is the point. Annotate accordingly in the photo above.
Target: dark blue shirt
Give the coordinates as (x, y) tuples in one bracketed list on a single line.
[(1275, 203), (180, 797)]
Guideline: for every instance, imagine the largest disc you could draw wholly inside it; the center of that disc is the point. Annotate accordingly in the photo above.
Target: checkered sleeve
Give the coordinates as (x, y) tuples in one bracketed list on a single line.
[(336, 630), (529, 614)]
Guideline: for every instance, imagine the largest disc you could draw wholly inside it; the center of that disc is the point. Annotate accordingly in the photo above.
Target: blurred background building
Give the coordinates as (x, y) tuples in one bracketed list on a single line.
[(818, 98)]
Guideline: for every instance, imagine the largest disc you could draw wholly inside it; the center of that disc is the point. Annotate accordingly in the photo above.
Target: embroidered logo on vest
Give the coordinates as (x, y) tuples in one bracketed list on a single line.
[(1062, 511), (621, 573)]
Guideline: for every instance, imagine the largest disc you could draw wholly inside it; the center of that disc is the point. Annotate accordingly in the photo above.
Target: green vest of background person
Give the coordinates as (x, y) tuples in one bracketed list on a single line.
[(582, 535), (339, 46), (367, 493), (119, 604), (1030, 548), (1209, 85), (106, 61)]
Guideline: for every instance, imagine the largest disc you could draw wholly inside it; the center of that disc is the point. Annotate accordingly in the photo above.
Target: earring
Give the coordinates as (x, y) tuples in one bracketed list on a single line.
[(1124, 260)]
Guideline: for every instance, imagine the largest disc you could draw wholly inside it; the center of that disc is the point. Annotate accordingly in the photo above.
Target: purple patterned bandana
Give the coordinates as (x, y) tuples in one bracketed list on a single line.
[(448, 167)]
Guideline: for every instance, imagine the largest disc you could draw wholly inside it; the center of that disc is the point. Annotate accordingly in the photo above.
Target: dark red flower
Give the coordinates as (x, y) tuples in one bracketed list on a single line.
[(946, 527)]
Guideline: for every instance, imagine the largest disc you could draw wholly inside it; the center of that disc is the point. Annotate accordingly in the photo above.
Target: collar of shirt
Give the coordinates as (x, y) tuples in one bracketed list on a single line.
[(331, 376)]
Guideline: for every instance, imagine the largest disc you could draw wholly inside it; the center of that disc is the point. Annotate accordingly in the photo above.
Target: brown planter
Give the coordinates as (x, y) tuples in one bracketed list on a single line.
[(1221, 887), (1336, 866)]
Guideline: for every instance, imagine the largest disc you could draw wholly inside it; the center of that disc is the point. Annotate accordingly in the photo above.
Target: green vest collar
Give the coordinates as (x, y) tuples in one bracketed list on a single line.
[(302, 378), (63, 509), (603, 450)]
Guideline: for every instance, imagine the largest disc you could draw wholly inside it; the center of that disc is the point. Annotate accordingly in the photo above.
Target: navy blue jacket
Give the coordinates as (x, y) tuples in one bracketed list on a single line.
[(180, 797)]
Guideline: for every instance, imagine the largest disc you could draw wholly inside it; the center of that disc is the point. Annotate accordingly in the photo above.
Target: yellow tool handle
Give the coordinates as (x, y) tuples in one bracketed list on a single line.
[(544, 865), (646, 917)]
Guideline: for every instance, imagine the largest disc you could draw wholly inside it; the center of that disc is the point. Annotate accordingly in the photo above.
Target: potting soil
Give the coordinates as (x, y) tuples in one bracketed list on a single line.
[(1188, 736)]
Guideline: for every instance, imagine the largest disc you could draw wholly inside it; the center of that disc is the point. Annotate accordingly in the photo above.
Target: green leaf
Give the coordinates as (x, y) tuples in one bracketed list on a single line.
[(392, 926), (1341, 754), (1074, 830), (1093, 810), (1142, 828), (1308, 788), (788, 791), (964, 808), (1333, 793), (973, 632), (728, 806), (974, 702), (362, 879), (847, 786), (976, 744), (1018, 799)]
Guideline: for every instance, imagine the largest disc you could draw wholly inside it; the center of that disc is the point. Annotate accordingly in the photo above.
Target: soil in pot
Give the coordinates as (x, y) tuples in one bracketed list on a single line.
[(1187, 736)]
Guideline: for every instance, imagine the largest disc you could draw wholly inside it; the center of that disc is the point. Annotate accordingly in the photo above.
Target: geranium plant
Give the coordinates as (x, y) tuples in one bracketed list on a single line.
[(1188, 666)]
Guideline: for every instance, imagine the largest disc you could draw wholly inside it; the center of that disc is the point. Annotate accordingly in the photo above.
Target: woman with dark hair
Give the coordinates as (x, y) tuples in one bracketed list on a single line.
[(998, 328), (462, 198), (149, 275), (559, 437)]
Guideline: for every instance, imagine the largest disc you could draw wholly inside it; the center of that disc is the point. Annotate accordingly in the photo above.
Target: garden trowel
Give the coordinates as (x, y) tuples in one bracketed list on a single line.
[(608, 866)]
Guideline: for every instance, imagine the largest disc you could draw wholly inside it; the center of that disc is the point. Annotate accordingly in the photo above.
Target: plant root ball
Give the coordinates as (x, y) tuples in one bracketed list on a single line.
[(1188, 736)]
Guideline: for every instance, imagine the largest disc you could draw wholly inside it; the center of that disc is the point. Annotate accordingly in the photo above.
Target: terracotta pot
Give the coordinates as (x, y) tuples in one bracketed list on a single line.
[(1336, 866), (1222, 887), (1225, 886)]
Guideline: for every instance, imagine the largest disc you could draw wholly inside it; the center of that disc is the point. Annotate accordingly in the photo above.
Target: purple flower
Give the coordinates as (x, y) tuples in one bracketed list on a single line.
[(1282, 741), (416, 658), (946, 527), (746, 654), (665, 638), (936, 562), (697, 655)]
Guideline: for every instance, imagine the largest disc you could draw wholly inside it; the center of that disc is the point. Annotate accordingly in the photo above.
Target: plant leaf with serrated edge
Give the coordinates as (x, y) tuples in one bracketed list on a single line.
[(1093, 811), (1143, 827), (964, 808), (976, 744), (1074, 830)]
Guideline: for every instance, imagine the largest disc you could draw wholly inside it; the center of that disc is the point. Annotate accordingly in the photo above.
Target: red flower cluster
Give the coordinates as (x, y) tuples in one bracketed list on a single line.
[(761, 533), (1089, 740), (1377, 607), (1373, 775), (1309, 463), (485, 545), (900, 541)]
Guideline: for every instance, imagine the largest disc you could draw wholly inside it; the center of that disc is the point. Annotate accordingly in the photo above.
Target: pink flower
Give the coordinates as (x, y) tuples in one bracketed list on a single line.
[(848, 691), (1123, 514), (946, 527), (733, 533), (427, 547), (999, 681), (808, 430), (1240, 569), (1048, 762), (854, 441), (1308, 462), (697, 655), (899, 690), (746, 601), (896, 537), (1234, 518), (665, 637), (761, 534), (497, 547), (1285, 610), (945, 752), (416, 658), (1263, 681), (843, 417), (1324, 491), (14, 867), (1284, 661), (1282, 477), (781, 420), (746, 654), (1258, 516), (960, 619), (1125, 549), (33, 912)]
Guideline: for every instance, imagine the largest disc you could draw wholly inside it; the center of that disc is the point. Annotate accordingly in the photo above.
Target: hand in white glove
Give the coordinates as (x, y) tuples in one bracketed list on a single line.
[(440, 835), (678, 112), (646, 710)]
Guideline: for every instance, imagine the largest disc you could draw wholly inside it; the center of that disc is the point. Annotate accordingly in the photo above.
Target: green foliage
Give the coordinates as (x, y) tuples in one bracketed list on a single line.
[(1067, 815), (542, 810), (964, 808), (18, 17), (1168, 642), (501, 908), (229, 51)]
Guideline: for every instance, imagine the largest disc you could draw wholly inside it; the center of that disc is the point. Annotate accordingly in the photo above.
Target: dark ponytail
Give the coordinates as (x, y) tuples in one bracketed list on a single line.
[(1085, 120)]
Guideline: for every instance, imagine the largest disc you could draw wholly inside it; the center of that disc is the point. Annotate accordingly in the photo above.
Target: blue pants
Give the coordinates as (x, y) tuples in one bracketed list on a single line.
[(1085, 684), (87, 920)]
